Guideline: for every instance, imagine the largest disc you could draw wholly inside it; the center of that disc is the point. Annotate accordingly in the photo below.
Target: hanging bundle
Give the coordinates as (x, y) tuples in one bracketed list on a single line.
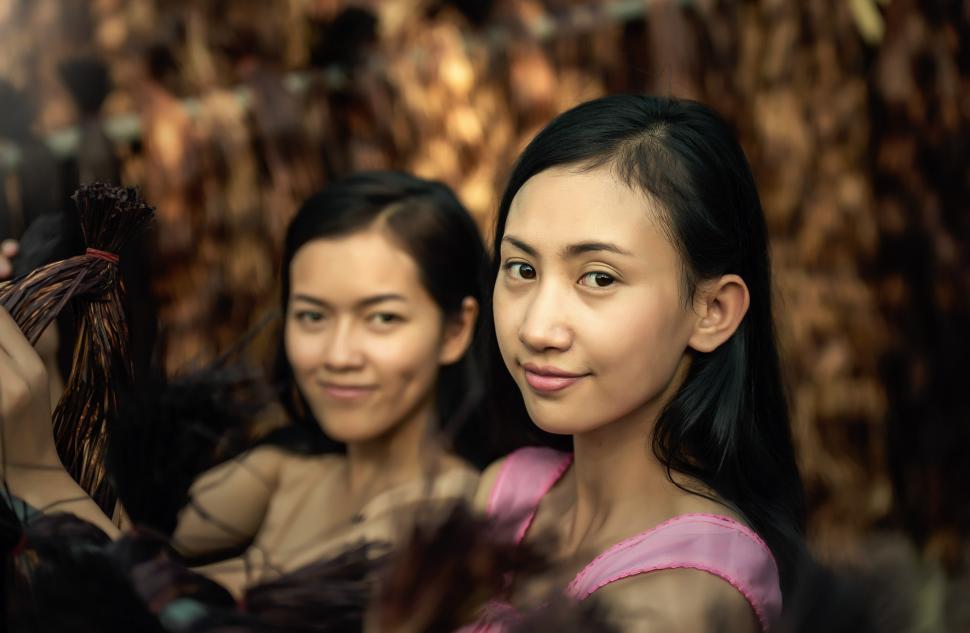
[(110, 216)]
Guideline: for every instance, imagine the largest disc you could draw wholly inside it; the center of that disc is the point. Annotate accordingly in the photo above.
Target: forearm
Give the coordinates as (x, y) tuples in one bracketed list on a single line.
[(28, 456), (50, 489), (227, 504)]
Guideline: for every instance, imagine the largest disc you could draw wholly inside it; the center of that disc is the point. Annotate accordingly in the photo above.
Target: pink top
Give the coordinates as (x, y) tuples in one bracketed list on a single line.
[(716, 544)]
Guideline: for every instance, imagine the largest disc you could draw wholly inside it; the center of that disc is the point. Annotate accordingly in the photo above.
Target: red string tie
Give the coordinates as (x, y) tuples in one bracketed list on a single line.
[(105, 255)]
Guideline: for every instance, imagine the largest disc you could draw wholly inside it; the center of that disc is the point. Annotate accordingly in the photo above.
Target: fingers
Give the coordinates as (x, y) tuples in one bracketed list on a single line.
[(8, 250)]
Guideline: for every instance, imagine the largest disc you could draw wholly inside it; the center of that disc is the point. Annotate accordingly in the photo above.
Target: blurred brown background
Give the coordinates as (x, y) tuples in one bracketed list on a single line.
[(855, 115)]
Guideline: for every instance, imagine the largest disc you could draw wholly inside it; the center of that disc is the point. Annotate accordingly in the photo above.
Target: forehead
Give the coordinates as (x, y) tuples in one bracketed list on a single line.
[(350, 267), (562, 205)]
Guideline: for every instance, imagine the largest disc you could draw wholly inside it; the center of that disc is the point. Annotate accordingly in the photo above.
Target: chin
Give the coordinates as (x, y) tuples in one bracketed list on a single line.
[(349, 429), (558, 418), (346, 435)]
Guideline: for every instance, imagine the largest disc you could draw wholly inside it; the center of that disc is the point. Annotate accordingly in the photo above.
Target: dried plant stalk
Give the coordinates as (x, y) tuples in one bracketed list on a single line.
[(110, 216), (36, 299)]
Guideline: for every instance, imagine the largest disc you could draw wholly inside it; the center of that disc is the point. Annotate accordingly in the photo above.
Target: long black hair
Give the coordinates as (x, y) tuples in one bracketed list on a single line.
[(728, 425), (433, 227)]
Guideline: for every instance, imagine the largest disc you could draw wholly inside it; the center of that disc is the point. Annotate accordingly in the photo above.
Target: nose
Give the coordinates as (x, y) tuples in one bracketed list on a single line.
[(342, 351), (543, 327)]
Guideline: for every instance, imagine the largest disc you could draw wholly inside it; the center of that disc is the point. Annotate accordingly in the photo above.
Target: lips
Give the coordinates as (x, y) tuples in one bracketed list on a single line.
[(547, 379), (346, 393)]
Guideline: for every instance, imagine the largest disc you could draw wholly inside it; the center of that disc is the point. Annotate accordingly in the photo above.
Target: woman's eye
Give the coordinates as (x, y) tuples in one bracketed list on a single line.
[(597, 279), (520, 270), (385, 318), (309, 316)]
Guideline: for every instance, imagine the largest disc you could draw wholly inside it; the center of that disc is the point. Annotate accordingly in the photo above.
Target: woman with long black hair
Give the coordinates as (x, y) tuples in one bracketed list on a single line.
[(632, 309)]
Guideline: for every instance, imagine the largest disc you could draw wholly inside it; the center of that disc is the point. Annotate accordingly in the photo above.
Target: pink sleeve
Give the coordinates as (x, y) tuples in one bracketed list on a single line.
[(525, 477)]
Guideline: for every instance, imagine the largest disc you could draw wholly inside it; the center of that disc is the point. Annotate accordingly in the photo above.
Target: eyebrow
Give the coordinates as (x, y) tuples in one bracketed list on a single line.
[(363, 303), (522, 246), (572, 250)]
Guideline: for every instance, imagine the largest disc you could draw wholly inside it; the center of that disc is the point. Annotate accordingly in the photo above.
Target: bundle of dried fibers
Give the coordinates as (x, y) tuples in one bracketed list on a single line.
[(110, 216)]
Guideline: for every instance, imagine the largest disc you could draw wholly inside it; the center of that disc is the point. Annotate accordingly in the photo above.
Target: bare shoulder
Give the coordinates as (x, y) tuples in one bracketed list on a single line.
[(237, 492), (452, 464), (678, 600), (486, 483), (456, 479), (266, 454), (263, 463)]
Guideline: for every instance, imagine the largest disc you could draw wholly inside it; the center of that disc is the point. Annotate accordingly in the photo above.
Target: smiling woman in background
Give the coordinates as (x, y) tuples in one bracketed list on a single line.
[(383, 279), (382, 286)]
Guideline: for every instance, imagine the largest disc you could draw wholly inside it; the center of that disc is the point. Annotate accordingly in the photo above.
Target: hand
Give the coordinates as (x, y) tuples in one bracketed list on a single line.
[(25, 418), (8, 250)]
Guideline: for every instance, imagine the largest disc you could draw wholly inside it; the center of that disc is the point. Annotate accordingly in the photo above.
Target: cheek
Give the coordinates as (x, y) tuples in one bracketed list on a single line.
[(405, 362), (298, 352), (641, 349), (505, 317)]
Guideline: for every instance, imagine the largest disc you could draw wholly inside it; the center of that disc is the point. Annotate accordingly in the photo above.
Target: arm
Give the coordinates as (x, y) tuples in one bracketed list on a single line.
[(228, 503), (28, 456)]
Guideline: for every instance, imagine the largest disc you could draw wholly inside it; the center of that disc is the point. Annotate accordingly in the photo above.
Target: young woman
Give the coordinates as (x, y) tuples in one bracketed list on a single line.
[(632, 309), (383, 276)]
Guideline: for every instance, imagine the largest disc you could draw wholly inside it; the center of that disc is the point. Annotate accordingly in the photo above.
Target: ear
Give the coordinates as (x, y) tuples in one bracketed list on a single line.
[(458, 332), (720, 306)]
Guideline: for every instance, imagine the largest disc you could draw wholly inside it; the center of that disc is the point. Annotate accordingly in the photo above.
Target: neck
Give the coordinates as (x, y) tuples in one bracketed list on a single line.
[(402, 454), (616, 474)]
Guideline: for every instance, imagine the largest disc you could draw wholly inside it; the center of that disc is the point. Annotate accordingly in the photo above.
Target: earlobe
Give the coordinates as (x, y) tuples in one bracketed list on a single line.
[(459, 332), (723, 304)]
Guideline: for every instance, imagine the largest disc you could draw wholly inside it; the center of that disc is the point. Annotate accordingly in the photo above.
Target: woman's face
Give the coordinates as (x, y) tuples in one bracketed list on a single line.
[(363, 336), (588, 303)]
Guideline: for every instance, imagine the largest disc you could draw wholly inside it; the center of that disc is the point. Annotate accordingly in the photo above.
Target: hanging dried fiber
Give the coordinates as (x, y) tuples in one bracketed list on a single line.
[(109, 216)]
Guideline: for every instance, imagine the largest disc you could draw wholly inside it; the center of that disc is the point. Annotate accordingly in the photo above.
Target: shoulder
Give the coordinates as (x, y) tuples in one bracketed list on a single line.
[(454, 465), (485, 485), (275, 464), (677, 600), (457, 478), (698, 562), (264, 462)]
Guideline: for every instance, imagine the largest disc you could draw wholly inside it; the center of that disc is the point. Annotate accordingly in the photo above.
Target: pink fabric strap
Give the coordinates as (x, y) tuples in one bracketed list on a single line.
[(524, 479), (712, 543)]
